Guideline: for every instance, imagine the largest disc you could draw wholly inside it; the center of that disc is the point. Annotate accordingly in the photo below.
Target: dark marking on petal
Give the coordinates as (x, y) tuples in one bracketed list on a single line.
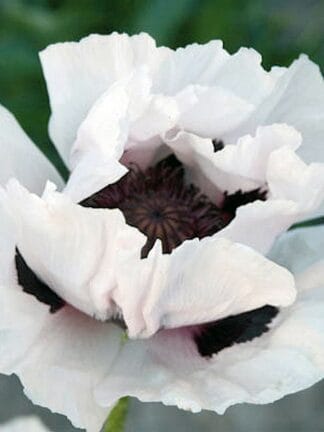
[(213, 337), (239, 198), (218, 145), (31, 284)]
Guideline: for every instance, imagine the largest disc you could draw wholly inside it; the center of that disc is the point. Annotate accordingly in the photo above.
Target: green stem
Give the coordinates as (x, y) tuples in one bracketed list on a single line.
[(117, 418)]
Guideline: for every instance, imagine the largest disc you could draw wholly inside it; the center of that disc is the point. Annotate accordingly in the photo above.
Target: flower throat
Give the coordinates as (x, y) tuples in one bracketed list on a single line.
[(160, 203)]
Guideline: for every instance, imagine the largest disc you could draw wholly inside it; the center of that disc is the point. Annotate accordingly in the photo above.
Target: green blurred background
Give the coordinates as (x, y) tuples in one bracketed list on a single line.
[(279, 29)]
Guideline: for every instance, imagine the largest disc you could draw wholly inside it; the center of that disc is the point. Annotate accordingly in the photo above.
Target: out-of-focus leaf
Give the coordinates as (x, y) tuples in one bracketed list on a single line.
[(162, 18)]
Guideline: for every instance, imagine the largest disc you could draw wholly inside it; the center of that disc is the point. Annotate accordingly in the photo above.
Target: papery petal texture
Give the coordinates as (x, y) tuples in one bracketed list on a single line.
[(20, 158), (85, 71), (167, 368)]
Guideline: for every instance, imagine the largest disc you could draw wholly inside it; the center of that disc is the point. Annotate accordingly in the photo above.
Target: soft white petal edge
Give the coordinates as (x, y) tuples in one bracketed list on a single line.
[(78, 73), (20, 158), (287, 359), (297, 99)]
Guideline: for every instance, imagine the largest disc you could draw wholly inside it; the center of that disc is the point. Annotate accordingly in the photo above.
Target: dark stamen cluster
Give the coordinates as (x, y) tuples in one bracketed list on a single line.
[(163, 206)]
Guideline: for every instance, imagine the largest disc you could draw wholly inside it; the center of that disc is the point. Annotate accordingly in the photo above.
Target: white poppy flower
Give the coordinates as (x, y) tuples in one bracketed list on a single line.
[(185, 167)]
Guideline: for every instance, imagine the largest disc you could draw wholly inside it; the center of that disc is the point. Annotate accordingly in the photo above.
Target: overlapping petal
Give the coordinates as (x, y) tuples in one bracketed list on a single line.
[(77, 74), (93, 263), (20, 158), (298, 100), (289, 358), (81, 246), (201, 281)]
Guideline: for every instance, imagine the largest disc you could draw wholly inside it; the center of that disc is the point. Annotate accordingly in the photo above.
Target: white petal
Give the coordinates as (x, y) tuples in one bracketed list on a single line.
[(210, 65), (240, 166), (167, 368), (258, 224), (194, 64), (78, 73), (291, 179), (295, 191), (126, 117), (211, 111), (7, 246), (20, 158), (100, 144), (249, 157), (297, 99), (59, 358), (201, 281), (24, 424), (80, 244), (244, 75)]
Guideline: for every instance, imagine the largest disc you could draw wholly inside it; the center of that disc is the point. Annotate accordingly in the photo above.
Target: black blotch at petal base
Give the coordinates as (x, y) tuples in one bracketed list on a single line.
[(214, 337), (31, 284)]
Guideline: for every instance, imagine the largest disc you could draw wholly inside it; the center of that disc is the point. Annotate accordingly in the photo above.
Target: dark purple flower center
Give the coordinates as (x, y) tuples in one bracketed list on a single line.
[(162, 205)]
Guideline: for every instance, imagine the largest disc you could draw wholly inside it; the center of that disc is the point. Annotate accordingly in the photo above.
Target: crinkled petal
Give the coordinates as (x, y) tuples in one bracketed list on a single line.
[(100, 144), (78, 73), (258, 224), (291, 179), (201, 281), (20, 158), (240, 166), (244, 75), (286, 359), (125, 120), (194, 64), (59, 358), (298, 100), (80, 244), (295, 191), (210, 65)]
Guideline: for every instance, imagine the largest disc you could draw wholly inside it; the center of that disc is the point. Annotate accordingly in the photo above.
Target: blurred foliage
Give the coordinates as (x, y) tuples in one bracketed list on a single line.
[(279, 29)]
